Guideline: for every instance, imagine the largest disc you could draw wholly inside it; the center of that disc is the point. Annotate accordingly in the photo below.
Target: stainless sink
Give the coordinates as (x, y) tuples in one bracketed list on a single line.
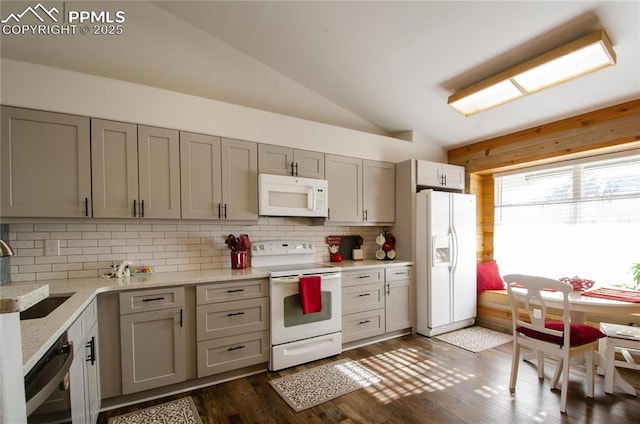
[(45, 306)]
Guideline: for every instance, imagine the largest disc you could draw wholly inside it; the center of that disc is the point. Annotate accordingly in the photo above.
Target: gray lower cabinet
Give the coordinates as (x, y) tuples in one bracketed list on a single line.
[(375, 301), (152, 337), (362, 304), (398, 295), (84, 373), (232, 325)]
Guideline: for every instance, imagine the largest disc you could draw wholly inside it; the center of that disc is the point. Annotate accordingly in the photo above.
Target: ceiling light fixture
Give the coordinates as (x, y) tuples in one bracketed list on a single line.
[(580, 57)]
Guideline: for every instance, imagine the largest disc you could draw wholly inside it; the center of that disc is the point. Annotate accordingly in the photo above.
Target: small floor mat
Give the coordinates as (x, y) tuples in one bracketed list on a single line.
[(181, 411), (314, 386), (475, 339)]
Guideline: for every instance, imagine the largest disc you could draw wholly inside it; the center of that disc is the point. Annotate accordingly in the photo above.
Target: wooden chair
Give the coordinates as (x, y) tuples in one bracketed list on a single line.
[(557, 338)]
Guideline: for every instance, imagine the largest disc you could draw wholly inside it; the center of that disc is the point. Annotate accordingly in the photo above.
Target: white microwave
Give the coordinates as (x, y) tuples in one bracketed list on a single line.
[(282, 195)]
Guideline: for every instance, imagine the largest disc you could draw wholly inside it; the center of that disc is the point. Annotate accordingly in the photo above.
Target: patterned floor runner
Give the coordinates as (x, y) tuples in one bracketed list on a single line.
[(475, 339), (181, 411), (314, 386)]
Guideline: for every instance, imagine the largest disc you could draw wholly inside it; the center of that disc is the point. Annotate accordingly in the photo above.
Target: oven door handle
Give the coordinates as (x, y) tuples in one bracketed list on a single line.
[(54, 382), (289, 280)]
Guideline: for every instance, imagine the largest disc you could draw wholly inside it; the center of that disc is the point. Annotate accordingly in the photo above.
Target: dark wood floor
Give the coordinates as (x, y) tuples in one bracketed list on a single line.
[(424, 381)]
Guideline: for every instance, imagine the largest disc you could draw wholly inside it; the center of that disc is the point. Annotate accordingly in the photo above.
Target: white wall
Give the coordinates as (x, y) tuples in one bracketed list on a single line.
[(52, 89)]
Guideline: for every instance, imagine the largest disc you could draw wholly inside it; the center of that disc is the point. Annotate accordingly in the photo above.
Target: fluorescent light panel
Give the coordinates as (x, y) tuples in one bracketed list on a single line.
[(567, 62)]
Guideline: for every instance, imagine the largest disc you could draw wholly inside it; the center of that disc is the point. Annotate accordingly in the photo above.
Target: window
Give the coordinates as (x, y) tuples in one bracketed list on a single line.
[(578, 218)]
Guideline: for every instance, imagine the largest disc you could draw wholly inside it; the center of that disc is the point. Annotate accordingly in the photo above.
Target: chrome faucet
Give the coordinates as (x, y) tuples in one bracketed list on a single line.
[(121, 268)]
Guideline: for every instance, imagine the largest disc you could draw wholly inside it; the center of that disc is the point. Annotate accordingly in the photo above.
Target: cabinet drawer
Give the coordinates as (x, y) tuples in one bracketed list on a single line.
[(362, 325), (224, 292), (151, 300), (398, 273), (229, 318), (362, 298), (229, 353), (352, 278)]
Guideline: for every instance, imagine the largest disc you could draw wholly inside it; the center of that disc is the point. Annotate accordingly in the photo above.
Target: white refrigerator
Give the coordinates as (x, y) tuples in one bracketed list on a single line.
[(445, 261)]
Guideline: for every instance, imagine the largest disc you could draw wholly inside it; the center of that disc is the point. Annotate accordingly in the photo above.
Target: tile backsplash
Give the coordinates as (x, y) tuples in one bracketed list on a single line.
[(89, 249)]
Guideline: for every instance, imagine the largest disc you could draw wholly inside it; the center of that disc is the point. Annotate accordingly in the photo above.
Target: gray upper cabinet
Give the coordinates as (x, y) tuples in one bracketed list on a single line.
[(219, 177), (440, 175), (136, 171), (200, 167), (379, 188), (239, 179), (345, 188), (280, 160), (159, 172), (45, 161), (114, 152), (360, 191)]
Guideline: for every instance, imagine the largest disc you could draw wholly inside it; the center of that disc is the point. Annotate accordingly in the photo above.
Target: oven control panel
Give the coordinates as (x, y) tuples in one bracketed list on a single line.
[(282, 247)]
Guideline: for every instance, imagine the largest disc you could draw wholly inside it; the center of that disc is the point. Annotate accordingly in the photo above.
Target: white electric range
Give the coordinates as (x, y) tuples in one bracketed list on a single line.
[(296, 337)]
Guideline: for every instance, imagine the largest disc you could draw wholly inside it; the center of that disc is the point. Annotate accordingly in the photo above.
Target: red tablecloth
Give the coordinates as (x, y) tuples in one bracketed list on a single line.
[(614, 294)]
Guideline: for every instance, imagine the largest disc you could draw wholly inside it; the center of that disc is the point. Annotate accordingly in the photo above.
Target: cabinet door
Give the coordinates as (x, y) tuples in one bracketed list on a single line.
[(152, 350), (159, 172), (397, 316), (345, 188), (453, 176), (92, 376), (308, 164), (200, 169), (46, 164), (275, 160), (429, 173), (114, 160), (379, 191), (239, 179)]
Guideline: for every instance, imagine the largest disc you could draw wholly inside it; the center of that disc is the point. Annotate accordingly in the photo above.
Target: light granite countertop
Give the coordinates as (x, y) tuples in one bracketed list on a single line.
[(17, 298), (39, 334)]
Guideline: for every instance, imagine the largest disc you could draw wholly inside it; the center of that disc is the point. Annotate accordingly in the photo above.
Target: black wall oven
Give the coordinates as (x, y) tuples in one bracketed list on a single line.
[(47, 385)]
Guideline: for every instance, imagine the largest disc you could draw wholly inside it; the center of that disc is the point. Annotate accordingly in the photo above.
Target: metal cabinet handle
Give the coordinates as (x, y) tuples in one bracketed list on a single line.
[(296, 169), (364, 294), (142, 209), (236, 348), (91, 344), (292, 169), (365, 215), (328, 214), (233, 314), (219, 210), (366, 321), (225, 211), (151, 299), (181, 317), (135, 212), (364, 276), (387, 288), (235, 290), (86, 206)]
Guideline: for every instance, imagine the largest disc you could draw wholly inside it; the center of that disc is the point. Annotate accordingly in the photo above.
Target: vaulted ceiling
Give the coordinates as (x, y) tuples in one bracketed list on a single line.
[(384, 67)]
